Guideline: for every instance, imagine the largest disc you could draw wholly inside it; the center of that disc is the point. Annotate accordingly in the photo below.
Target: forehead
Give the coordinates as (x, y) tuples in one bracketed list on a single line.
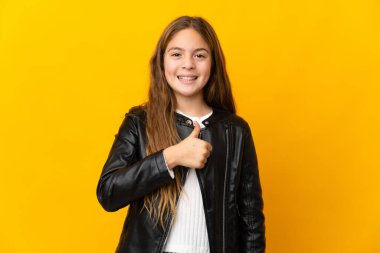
[(187, 39)]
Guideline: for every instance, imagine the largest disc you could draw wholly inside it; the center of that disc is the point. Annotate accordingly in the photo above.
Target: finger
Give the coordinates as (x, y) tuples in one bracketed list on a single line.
[(196, 130)]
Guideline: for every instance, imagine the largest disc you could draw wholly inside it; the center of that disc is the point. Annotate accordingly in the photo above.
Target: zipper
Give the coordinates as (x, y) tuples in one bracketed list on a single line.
[(202, 188), (200, 133), (169, 222), (225, 186), (166, 232)]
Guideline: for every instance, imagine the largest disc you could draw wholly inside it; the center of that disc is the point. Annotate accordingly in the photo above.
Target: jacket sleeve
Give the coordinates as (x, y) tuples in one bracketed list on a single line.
[(124, 178), (250, 202)]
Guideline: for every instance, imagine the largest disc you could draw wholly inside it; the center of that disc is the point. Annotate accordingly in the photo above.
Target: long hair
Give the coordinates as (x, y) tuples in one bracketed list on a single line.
[(161, 105)]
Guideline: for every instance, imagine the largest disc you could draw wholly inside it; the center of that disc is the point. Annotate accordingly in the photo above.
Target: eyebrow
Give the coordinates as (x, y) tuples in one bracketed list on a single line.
[(181, 49)]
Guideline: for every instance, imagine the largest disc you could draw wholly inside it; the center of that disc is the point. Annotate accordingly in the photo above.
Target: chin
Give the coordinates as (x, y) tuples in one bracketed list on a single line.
[(192, 94)]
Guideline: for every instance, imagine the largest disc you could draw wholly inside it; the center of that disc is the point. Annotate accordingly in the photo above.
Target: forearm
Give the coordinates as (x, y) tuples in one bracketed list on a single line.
[(121, 183)]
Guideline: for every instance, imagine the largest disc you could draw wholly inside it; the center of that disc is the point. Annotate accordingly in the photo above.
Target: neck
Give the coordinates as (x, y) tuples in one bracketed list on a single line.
[(193, 106)]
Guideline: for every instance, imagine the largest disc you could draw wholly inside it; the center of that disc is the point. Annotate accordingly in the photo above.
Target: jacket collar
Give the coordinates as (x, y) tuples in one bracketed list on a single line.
[(217, 115)]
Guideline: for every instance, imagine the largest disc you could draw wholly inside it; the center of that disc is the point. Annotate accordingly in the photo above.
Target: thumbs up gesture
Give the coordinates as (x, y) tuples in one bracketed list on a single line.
[(191, 152), (196, 130)]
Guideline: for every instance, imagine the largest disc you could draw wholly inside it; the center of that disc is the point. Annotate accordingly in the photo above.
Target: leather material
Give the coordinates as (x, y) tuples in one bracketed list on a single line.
[(229, 182)]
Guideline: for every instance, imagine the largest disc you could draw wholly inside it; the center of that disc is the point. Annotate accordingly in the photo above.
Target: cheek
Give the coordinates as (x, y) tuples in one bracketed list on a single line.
[(169, 68), (166, 70), (207, 69)]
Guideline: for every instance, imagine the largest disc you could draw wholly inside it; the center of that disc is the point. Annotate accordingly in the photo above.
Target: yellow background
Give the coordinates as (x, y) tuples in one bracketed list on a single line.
[(305, 76)]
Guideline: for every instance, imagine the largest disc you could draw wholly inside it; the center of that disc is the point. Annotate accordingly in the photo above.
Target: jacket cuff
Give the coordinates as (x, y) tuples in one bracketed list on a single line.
[(165, 164)]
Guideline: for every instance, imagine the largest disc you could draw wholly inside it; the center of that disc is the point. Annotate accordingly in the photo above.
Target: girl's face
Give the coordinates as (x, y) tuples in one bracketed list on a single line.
[(187, 63)]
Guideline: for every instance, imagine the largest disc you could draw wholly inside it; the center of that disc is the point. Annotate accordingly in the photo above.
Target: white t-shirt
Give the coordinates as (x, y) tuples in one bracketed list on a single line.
[(189, 232)]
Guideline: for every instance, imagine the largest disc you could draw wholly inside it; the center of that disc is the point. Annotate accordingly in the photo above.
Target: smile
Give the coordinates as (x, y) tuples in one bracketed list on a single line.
[(187, 78)]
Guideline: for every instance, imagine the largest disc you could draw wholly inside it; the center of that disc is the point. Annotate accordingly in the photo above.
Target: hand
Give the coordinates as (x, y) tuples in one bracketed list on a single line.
[(191, 152)]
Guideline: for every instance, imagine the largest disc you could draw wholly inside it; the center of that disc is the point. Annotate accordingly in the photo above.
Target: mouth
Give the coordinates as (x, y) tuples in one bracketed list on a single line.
[(187, 78)]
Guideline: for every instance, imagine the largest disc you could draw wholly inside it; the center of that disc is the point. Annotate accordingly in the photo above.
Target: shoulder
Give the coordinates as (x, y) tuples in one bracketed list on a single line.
[(132, 120), (239, 122), (231, 119), (137, 112)]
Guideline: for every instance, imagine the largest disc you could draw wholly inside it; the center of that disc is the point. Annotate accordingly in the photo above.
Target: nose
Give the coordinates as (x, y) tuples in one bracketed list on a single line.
[(188, 62)]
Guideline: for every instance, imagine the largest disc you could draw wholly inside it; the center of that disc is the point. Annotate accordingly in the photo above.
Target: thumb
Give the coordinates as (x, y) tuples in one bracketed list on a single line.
[(197, 129)]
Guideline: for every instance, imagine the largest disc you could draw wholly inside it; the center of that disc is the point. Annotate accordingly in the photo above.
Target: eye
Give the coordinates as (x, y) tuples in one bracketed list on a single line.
[(176, 54), (200, 56)]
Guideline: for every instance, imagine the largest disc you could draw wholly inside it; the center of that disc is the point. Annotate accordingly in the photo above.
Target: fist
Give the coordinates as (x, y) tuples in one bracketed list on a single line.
[(191, 152)]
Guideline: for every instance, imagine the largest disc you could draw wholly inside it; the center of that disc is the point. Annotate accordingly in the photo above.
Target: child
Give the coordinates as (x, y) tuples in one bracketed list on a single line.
[(184, 162)]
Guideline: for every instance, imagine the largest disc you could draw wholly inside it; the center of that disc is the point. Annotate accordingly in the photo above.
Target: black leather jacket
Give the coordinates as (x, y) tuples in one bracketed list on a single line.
[(229, 183)]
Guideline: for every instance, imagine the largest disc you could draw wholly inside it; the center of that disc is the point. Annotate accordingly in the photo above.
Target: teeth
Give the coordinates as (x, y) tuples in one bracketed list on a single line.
[(187, 77)]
